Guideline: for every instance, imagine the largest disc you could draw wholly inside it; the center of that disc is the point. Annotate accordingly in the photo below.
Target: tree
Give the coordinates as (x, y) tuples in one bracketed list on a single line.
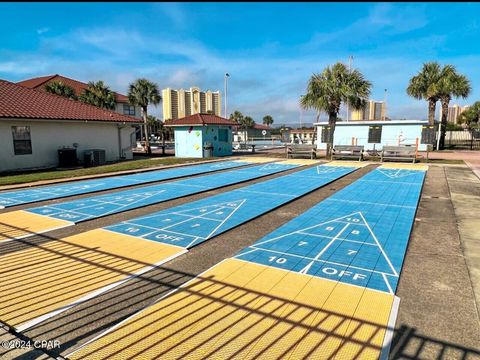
[(335, 84), (471, 116), (424, 86), (267, 120), (451, 84), (142, 93), (61, 89), (99, 95), (237, 116)]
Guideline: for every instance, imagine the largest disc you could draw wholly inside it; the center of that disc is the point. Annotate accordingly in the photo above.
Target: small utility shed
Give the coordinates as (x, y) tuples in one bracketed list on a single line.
[(201, 135), (34, 125), (376, 134)]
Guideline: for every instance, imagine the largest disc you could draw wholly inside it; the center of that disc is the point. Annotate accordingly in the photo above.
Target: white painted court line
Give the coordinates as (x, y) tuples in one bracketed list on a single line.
[(307, 228), (264, 193), (306, 268), (93, 294), (38, 233), (388, 338), (342, 239), (380, 246), (313, 276), (310, 258), (370, 203), (223, 222), (144, 308)]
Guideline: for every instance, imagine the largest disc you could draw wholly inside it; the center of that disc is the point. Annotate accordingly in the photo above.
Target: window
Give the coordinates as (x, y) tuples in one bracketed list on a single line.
[(374, 134), (128, 109), (22, 143), (327, 135), (428, 134), (223, 135)]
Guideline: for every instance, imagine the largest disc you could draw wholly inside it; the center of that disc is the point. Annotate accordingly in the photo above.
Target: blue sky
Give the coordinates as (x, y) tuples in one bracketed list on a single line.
[(269, 49)]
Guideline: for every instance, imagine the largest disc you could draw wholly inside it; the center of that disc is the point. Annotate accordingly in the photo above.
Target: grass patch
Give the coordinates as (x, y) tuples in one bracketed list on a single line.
[(122, 166)]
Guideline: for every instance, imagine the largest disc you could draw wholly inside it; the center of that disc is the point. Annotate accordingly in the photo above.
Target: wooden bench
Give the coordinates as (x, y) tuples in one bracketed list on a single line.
[(301, 149), (243, 146), (399, 153), (348, 151)]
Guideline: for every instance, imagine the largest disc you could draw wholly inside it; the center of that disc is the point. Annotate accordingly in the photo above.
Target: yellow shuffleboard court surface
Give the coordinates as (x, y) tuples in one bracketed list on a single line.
[(348, 163), (48, 277), (419, 167), (242, 310), (20, 224), (305, 162), (256, 159)]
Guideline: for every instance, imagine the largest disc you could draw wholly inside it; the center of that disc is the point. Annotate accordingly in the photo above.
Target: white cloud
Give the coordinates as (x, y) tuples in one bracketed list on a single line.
[(42, 30)]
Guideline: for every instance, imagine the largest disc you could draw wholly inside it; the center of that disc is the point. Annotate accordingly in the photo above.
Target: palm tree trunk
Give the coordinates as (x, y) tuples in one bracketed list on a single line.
[(148, 150), (431, 112), (332, 120), (443, 124)]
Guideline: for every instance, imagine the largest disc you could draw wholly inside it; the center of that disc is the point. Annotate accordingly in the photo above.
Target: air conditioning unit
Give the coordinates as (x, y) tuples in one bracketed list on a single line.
[(94, 157)]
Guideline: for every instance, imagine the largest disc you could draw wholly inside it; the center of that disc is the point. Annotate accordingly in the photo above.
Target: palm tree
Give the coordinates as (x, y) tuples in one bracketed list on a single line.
[(424, 85), (327, 90), (99, 95), (267, 120), (237, 116), (248, 122), (60, 88), (451, 84), (142, 93)]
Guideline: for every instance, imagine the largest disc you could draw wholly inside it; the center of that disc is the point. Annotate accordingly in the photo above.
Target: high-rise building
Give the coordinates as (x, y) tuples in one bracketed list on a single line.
[(181, 103), (374, 110), (454, 112)]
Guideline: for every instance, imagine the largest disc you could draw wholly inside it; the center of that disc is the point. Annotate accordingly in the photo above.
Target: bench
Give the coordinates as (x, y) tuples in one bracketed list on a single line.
[(301, 149), (399, 153), (348, 151), (243, 146)]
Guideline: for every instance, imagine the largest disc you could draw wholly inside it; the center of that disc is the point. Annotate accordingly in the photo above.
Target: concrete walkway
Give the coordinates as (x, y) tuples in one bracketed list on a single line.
[(438, 315)]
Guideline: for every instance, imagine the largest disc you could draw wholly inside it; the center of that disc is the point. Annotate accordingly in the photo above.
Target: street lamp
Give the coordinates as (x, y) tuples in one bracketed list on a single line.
[(350, 59), (227, 75)]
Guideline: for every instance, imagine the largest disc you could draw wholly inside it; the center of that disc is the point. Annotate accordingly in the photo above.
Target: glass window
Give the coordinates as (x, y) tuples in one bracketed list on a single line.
[(128, 109), (374, 134), (223, 135), (22, 143)]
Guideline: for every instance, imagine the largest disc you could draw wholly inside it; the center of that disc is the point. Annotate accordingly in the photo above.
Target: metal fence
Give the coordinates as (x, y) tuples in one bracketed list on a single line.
[(463, 139)]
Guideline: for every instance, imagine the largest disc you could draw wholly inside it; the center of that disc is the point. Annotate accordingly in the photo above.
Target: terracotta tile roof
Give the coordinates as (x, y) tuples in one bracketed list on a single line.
[(18, 101), (39, 83), (200, 119), (257, 126), (262, 127)]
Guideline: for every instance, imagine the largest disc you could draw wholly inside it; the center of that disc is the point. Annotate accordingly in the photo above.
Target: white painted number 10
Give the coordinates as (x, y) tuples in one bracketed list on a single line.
[(277, 260)]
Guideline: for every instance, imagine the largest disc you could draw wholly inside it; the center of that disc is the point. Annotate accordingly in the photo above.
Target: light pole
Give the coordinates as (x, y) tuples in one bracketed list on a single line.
[(350, 59), (385, 105), (227, 75)]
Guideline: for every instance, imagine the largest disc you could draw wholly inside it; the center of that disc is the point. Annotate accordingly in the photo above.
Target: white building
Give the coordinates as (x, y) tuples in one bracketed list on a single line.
[(376, 134), (34, 125)]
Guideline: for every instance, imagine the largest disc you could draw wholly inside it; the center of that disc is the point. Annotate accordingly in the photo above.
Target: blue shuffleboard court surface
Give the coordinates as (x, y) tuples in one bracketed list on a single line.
[(357, 236), (193, 223), (25, 196), (97, 206)]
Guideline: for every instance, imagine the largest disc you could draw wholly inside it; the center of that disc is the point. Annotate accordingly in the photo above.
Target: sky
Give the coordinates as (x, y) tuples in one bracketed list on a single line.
[(270, 50)]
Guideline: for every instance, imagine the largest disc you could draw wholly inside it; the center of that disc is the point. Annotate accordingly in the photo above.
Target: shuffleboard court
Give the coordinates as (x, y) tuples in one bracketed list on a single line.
[(193, 223), (24, 223), (25, 196), (307, 290), (49, 278)]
